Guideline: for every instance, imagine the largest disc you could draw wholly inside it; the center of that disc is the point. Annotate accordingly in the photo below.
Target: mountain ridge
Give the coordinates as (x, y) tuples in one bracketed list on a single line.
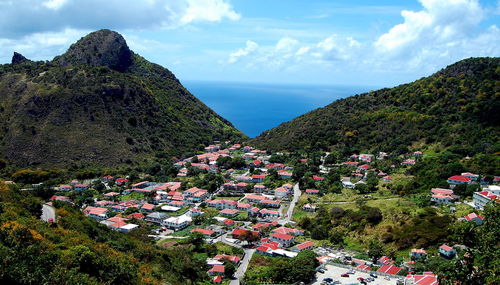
[(100, 104), (456, 105)]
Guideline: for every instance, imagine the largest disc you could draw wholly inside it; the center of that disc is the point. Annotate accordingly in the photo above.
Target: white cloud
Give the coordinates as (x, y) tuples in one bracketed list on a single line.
[(209, 10), (248, 49), (24, 17)]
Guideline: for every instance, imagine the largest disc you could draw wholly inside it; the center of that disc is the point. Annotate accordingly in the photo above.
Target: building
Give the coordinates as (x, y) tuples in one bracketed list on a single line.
[(229, 212), (216, 270), (155, 217), (426, 278), (177, 223), (443, 196), (473, 217), (309, 208), (281, 193), (81, 187), (303, 246), (312, 191), (389, 269), (205, 232), (284, 240), (458, 179), (446, 251), (96, 212), (417, 253), (480, 199), (265, 213)]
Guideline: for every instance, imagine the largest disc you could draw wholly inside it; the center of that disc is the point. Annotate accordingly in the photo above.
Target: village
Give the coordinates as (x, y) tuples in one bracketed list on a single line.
[(255, 206)]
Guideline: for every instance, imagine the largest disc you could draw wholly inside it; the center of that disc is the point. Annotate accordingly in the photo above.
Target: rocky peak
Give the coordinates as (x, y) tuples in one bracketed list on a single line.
[(18, 58), (100, 48)]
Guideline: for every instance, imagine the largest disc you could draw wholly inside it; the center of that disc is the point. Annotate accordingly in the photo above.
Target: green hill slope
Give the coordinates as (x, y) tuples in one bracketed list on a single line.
[(99, 104), (458, 108)]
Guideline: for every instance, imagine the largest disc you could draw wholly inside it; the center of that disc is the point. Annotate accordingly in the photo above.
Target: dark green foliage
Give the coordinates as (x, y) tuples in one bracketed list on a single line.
[(105, 111), (457, 107)]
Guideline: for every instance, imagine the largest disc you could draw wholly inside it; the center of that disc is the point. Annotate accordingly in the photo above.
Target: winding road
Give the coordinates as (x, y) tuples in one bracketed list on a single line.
[(289, 212)]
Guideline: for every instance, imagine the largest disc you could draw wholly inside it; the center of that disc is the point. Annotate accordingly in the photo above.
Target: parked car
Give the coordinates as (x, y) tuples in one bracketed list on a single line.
[(373, 275), (344, 275), (328, 280), (350, 272), (321, 270), (361, 279)]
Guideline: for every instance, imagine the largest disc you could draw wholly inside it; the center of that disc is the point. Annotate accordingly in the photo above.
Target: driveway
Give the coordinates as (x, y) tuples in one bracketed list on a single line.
[(48, 213), (243, 267)]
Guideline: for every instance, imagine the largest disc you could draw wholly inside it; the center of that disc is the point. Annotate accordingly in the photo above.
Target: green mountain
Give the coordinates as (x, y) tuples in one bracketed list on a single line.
[(457, 108), (99, 104)]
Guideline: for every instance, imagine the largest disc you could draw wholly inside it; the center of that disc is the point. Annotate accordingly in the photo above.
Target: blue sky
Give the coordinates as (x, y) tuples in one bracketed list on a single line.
[(375, 43)]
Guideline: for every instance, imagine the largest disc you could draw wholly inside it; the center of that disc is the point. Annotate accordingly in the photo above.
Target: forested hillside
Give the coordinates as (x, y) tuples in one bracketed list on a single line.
[(457, 108), (99, 104)]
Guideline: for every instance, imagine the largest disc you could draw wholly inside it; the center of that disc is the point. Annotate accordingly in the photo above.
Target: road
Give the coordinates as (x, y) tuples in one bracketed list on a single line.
[(48, 213), (243, 267), (289, 213)]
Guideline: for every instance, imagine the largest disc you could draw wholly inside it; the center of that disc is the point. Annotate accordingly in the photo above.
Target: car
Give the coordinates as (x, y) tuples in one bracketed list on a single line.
[(361, 279), (387, 278), (373, 275), (350, 272), (328, 280), (321, 270), (344, 275), (370, 279)]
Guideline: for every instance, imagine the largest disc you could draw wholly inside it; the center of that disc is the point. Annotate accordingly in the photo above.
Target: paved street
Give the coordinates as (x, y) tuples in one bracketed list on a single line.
[(335, 273), (289, 213), (243, 267)]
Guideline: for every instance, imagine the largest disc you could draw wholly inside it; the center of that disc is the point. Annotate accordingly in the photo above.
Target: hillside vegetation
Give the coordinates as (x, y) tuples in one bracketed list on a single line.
[(99, 104), (456, 108)]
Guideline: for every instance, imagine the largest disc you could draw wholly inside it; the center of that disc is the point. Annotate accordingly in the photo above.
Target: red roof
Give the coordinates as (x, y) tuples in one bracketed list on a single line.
[(312, 191), (473, 216), (217, 268), (389, 269), (136, 216), (427, 278), (228, 222), (445, 247), (460, 178), (148, 206), (363, 267), (218, 279), (203, 231), (119, 224), (305, 245), (282, 236)]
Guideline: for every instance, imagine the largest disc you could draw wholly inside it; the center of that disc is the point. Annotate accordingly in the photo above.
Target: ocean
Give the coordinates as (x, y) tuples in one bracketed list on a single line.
[(255, 107)]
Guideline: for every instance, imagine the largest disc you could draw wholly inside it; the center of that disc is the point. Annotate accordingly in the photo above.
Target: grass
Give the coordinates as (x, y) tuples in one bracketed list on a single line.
[(132, 196), (227, 249), (163, 241), (298, 213), (184, 232)]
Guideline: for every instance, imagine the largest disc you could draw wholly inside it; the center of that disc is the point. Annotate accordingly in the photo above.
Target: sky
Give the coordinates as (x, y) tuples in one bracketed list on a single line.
[(356, 42)]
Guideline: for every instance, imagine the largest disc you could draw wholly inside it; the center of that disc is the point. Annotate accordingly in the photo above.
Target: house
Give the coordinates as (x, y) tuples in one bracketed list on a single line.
[(303, 246), (229, 212), (259, 188), (408, 162), (65, 187), (446, 251), (386, 179), (384, 260), (231, 258), (363, 267), (258, 178), (281, 193), (128, 228), (309, 208), (216, 270), (472, 176), (312, 191), (81, 187), (155, 217), (283, 174), (458, 179), (222, 204), (60, 198), (148, 207), (473, 217), (265, 213), (240, 233), (346, 183), (442, 196), (96, 212), (389, 269), (121, 181), (193, 212), (229, 186), (289, 231), (206, 233), (254, 198), (270, 203), (350, 163), (480, 199), (417, 253), (284, 240), (318, 178), (363, 167), (136, 216), (426, 278), (228, 222), (243, 206), (241, 187), (254, 211), (177, 223)]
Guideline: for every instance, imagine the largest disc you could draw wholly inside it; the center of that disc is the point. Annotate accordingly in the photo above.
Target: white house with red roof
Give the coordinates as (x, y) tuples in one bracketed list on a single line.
[(283, 239), (281, 193), (270, 203), (283, 174), (417, 253), (65, 187), (289, 231), (232, 258), (458, 179), (217, 270), (258, 178), (265, 213), (259, 188), (473, 217), (426, 278), (96, 212), (472, 176), (309, 207), (177, 223), (482, 198), (251, 198), (303, 246), (222, 204), (205, 232), (408, 162), (229, 212), (312, 191), (447, 251), (442, 196)]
